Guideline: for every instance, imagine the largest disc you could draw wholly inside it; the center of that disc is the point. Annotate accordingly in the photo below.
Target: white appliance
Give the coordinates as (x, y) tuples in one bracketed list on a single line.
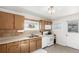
[(50, 40), (44, 41), (47, 40), (47, 27)]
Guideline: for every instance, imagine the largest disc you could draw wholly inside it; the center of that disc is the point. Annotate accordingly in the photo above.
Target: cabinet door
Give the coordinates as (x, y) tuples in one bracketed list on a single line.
[(0, 48), (46, 22), (39, 43), (6, 20), (3, 48), (42, 25), (13, 47), (19, 22), (24, 46), (33, 45)]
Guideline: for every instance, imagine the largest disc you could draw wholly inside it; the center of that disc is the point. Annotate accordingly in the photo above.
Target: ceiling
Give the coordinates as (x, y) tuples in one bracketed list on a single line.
[(42, 11)]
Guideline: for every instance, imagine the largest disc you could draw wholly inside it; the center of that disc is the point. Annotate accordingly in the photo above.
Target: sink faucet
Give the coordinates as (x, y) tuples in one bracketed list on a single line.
[(32, 34)]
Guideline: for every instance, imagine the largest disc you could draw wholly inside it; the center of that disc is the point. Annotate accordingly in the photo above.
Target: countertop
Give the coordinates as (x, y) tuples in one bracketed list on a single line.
[(4, 40)]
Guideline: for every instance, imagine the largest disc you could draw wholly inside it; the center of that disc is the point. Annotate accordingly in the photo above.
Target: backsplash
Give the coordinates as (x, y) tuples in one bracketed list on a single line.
[(8, 33), (28, 33)]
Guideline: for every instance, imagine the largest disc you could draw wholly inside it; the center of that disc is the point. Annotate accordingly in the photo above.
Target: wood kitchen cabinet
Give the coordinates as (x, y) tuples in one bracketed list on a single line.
[(11, 21), (3, 48), (48, 22), (33, 45), (39, 43), (43, 23), (24, 46), (0, 48), (6, 20), (19, 22), (13, 47)]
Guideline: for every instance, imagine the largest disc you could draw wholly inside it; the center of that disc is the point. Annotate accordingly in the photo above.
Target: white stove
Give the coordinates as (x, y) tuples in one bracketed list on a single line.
[(47, 40)]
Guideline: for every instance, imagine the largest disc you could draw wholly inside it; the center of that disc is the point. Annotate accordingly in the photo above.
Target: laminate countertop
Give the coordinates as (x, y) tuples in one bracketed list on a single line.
[(4, 40)]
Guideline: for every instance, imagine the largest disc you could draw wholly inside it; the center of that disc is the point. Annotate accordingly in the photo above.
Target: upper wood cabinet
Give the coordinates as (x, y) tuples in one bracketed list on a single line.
[(6, 20), (24, 45), (11, 21), (43, 23), (48, 22), (19, 22), (13, 47)]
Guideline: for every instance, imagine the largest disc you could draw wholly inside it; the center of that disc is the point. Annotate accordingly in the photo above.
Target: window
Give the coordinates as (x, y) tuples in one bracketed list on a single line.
[(31, 25), (73, 26)]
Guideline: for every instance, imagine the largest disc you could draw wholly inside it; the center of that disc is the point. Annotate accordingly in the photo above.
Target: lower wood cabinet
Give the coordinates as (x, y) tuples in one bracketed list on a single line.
[(33, 44), (3, 48), (24, 46), (13, 47), (0, 48), (39, 43)]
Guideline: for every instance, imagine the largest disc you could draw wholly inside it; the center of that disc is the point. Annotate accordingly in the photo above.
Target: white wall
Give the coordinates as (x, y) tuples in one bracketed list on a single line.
[(63, 36)]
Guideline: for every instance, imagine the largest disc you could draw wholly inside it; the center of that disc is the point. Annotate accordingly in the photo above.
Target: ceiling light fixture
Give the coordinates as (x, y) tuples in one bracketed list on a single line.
[(51, 10)]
